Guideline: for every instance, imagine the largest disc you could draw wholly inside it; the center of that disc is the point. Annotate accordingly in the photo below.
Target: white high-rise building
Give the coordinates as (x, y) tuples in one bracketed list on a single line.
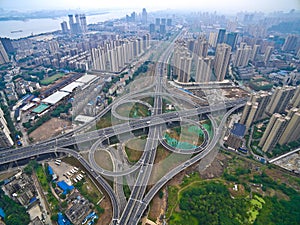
[(204, 69), (268, 53), (5, 139), (212, 40), (3, 54), (242, 56), (222, 58)]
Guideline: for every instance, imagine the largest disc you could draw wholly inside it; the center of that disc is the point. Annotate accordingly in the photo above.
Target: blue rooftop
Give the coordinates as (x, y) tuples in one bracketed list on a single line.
[(2, 214), (64, 186), (50, 170), (283, 72), (62, 220), (32, 200), (238, 129)]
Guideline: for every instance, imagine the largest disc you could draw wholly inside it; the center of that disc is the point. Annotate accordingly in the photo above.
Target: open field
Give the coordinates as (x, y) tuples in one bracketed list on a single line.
[(49, 129), (52, 79), (107, 120), (134, 148), (103, 159), (133, 110), (170, 161)]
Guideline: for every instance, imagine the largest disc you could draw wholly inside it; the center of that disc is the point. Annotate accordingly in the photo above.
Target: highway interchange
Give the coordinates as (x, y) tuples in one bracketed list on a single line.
[(130, 212)]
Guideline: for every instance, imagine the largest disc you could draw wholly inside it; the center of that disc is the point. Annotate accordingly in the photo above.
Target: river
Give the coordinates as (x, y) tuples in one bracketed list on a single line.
[(38, 26)]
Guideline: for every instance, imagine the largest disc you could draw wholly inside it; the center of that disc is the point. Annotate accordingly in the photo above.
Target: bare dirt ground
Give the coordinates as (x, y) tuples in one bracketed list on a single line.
[(216, 168), (105, 218), (6, 175), (158, 207), (103, 159), (49, 129)]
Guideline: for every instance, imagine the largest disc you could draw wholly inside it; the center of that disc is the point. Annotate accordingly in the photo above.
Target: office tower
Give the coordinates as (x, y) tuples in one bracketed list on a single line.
[(268, 54), (157, 22), (9, 48), (5, 139), (222, 58), (236, 135), (242, 56), (152, 28), (296, 99), (255, 51), (169, 22), (221, 36), (64, 27), (212, 40), (273, 132), (133, 17), (163, 21), (83, 23), (144, 16), (280, 99), (53, 46), (71, 23), (290, 43), (292, 130), (3, 54), (231, 39), (162, 29), (204, 69)]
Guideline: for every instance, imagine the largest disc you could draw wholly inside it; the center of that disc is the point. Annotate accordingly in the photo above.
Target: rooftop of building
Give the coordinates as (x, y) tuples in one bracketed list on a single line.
[(86, 78), (55, 98), (41, 108), (70, 87), (238, 129)]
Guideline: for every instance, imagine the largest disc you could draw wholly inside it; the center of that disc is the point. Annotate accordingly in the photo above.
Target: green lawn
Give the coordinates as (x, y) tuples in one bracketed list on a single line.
[(53, 202), (50, 80)]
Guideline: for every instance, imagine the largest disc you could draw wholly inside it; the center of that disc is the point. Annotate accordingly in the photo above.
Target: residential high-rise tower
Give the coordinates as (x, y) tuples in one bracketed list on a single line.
[(5, 139), (222, 58)]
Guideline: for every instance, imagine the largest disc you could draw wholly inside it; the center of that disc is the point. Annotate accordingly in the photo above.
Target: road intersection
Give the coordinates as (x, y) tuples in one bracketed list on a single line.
[(130, 212)]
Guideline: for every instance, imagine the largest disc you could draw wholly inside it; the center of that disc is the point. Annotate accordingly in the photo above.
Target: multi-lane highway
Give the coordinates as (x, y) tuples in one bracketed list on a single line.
[(131, 212), (134, 203), (12, 155)]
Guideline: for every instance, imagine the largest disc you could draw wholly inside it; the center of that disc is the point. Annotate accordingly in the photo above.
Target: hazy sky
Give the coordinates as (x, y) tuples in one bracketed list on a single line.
[(201, 5)]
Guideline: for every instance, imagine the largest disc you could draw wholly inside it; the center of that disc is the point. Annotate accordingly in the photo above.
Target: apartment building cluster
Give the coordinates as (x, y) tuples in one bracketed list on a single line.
[(208, 68), (115, 55), (283, 106)]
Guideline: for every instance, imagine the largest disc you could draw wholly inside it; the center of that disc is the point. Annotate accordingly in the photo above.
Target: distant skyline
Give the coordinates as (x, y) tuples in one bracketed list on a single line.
[(226, 6)]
